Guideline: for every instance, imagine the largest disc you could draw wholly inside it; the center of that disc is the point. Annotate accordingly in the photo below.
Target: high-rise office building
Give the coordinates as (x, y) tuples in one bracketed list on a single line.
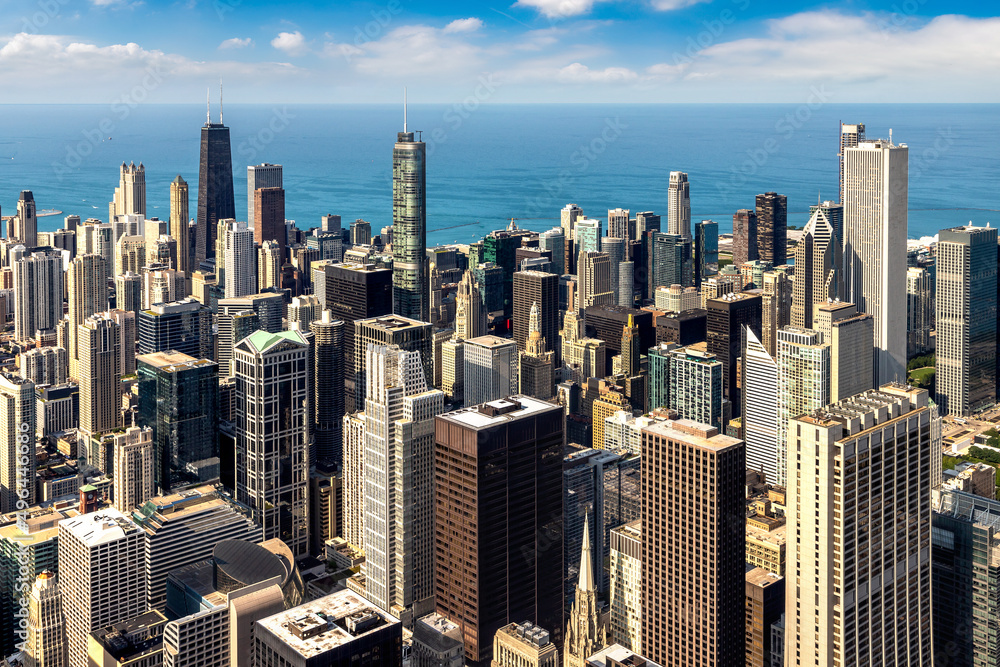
[(133, 476), (361, 232), (776, 306), (626, 585), (727, 317), (409, 227), (238, 318), (511, 517), (130, 195), (765, 606), (179, 401), (182, 326), (17, 451), (87, 280), (803, 384), (818, 266), (693, 558), (272, 459), (671, 258), (850, 136), (772, 225), (328, 401), (269, 262), (453, 368), (626, 284), (647, 221), (535, 289), (536, 367), (399, 482), (834, 214), (760, 407), (875, 201), (130, 255), (25, 222), (615, 249), (745, 237), (554, 241), (259, 176), (679, 205), (500, 248), (179, 226), (216, 200), (619, 224), (161, 284), (706, 251), (490, 369), (852, 352), (240, 261), (694, 386), (588, 236), (38, 293), (470, 313), (966, 308), (100, 373), (919, 311), (409, 335), (128, 292), (45, 365), (303, 311), (100, 575), (595, 287), (269, 217), (45, 645), (873, 455)]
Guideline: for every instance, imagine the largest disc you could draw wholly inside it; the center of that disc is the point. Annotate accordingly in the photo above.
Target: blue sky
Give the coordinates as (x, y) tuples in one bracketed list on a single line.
[(485, 51)]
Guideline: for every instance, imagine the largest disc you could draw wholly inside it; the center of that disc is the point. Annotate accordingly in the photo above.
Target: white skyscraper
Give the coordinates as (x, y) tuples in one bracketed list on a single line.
[(101, 575), (100, 371), (38, 293), (241, 266), (133, 473), (130, 195), (272, 433), (760, 408), (490, 369), (875, 214), (470, 313), (261, 176), (17, 437), (46, 644), (87, 280), (399, 482), (803, 383), (679, 205)]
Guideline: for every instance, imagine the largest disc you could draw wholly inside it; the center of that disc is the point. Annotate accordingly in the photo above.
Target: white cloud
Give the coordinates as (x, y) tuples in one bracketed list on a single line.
[(292, 43), (414, 51), (579, 73), (671, 5), (236, 43), (463, 25), (558, 8)]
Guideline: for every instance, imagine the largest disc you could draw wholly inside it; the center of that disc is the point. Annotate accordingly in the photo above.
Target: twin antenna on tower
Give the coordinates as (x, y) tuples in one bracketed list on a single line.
[(420, 132), (208, 102)]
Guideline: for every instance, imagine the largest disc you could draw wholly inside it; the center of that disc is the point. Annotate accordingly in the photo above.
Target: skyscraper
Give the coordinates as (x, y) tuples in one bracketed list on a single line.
[(745, 237), (179, 228), (409, 335), (536, 369), (269, 217), (531, 288), (328, 400), (618, 224), (38, 293), (180, 326), (179, 401), (679, 205), (25, 221), (216, 200), (919, 311), (498, 499), (133, 476), (851, 336), (272, 458), (776, 305), (130, 195), (818, 266), (772, 225), (693, 556), (869, 452), (850, 136), (100, 373), (875, 201), (727, 316), (588, 236), (409, 227), (17, 451), (399, 482), (616, 250), (100, 575), (554, 241), (263, 175), (87, 280), (626, 585), (760, 408), (966, 308), (240, 260), (46, 642), (803, 384), (595, 289), (470, 313), (490, 369), (647, 221), (706, 251)]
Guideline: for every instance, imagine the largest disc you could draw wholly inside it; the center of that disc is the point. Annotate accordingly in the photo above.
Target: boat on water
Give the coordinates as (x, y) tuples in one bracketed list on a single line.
[(47, 211)]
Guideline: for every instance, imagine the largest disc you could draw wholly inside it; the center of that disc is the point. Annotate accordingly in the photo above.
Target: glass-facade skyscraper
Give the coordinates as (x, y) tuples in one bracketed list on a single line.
[(216, 200), (409, 228), (706, 251)]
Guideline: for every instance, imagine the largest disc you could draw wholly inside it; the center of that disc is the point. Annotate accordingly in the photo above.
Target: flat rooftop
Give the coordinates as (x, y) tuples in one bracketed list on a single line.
[(693, 433), (322, 625), (102, 527), (172, 361), (491, 341), (762, 578), (503, 410)]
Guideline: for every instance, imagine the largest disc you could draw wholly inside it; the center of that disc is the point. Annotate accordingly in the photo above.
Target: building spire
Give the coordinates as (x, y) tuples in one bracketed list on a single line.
[(533, 324), (404, 109), (586, 567), (208, 106), (220, 100)]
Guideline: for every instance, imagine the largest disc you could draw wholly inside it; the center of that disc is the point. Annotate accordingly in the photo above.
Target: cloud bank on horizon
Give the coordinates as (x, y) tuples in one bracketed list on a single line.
[(529, 50)]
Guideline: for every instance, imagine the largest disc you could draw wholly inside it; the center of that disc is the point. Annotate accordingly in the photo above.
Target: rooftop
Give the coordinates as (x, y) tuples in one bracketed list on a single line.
[(171, 361), (762, 578), (504, 410), (693, 433), (103, 527), (491, 341), (322, 625)]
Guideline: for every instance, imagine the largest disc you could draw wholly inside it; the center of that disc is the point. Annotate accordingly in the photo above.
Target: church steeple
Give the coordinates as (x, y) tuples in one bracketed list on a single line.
[(586, 566), (585, 633)]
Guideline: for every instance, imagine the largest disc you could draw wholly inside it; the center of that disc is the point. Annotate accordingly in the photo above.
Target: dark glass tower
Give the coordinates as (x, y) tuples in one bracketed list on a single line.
[(216, 200), (409, 228), (772, 225)]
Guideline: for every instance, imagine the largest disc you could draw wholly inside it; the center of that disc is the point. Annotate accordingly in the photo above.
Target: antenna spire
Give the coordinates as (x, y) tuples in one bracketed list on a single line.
[(404, 109), (208, 104), (220, 100)]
